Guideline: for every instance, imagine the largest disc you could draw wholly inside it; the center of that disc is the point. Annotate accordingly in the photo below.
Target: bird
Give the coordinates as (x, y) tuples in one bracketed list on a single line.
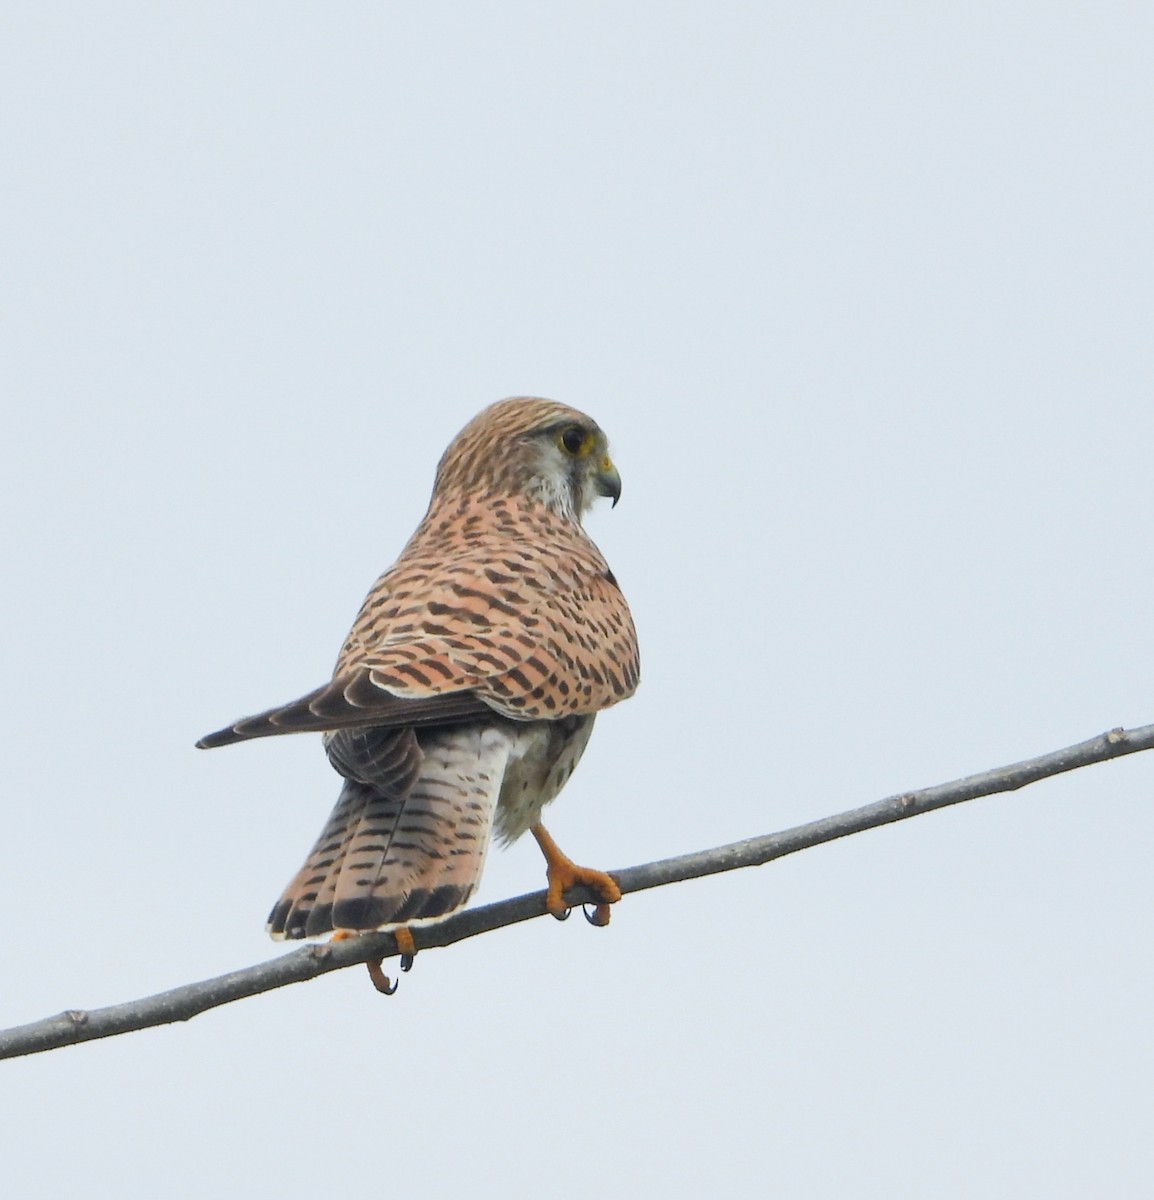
[(466, 690)]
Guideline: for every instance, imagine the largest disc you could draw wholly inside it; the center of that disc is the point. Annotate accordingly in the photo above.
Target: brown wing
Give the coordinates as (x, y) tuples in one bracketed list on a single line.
[(529, 631), (584, 657), (350, 702)]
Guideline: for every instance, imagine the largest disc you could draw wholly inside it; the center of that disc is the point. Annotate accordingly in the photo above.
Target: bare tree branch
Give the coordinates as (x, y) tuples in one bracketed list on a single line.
[(182, 1003)]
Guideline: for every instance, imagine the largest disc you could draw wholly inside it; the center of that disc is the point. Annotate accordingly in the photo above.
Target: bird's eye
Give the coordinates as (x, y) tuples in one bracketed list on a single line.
[(575, 439)]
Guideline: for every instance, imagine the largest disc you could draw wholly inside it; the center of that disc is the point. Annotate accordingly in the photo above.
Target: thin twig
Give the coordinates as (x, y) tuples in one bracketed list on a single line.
[(182, 1003)]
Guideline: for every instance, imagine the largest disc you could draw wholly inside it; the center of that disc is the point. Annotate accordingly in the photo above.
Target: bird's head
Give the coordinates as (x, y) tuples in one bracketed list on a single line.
[(532, 447)]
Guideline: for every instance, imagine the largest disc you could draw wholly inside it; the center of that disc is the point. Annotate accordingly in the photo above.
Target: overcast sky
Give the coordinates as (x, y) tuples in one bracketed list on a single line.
[(864, 297)]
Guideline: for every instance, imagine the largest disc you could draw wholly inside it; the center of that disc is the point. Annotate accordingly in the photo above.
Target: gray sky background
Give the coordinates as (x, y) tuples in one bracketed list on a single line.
[(863, 296)]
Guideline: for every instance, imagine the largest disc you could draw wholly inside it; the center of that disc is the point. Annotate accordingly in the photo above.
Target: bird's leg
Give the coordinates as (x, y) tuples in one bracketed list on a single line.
[(406, 946), (375, 966), (563, 873)]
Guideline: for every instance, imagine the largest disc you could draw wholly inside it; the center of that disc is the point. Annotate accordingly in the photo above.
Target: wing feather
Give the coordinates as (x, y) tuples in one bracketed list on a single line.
[(539, 635), (349, 703)]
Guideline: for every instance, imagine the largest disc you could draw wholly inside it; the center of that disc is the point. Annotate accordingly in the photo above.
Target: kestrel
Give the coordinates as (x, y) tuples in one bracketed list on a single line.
[(467, 688)]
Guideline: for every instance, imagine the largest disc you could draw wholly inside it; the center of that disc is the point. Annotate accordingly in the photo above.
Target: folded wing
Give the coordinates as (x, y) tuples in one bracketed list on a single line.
[(350, 702)]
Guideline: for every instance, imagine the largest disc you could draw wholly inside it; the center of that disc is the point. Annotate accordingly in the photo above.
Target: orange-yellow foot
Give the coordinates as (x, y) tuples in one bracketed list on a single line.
[(406, 946), (563, 873), (375, 966), (381, 981)]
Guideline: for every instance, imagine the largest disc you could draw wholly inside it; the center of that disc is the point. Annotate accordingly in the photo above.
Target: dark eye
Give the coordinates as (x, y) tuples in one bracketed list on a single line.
[(573, 439)]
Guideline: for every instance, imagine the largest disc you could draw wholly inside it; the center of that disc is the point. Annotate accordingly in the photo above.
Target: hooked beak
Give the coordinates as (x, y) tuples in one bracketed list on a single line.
[(607, 480)]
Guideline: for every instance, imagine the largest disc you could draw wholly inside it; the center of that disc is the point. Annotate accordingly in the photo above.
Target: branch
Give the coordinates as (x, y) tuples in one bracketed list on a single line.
[(183, 1003)]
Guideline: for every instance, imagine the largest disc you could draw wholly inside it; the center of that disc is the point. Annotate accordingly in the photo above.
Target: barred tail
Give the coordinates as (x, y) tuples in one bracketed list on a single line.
[(387, 859)]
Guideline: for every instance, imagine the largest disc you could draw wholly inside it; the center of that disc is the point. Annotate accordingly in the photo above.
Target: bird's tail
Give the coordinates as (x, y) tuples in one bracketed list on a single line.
[(387, 859)]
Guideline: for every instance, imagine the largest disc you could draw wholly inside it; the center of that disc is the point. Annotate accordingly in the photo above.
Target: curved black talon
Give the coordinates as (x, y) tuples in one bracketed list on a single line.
[(600, 917), (381, 981), (407, 961), (585, 913), (561, 916)]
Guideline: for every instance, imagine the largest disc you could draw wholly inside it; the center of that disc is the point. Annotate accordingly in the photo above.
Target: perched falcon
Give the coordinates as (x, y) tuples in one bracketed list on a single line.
[(466, 691)]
